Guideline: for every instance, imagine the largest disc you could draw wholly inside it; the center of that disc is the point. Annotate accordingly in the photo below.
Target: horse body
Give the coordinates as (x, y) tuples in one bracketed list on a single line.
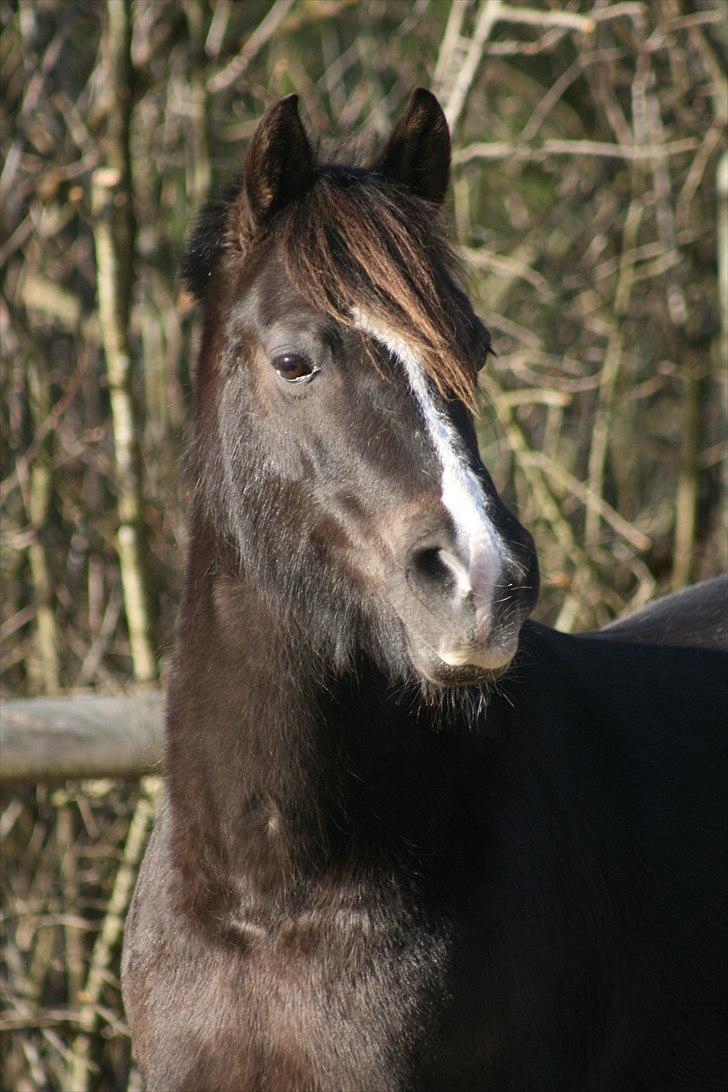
[(374, 868), (524, 902)]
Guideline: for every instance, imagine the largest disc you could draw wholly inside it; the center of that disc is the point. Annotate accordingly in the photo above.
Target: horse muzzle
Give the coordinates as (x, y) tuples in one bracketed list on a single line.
[(464, 606)]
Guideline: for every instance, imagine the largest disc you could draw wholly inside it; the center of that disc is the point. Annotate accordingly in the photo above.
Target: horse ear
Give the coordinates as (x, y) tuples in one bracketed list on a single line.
[(279, 164), (417, 155)]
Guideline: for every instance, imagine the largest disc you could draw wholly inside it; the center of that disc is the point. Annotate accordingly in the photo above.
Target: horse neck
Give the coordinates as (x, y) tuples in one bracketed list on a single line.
[(277, 769)]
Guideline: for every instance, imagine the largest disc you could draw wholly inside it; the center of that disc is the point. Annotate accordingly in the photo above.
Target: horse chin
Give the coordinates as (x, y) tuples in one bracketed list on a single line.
[(452, 672)]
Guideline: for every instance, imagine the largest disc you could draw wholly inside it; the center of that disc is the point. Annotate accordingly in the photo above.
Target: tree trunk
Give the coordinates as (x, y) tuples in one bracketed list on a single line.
[(111, 200)]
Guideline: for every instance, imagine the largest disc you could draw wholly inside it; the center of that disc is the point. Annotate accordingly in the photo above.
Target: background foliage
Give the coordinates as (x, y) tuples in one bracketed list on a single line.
[(588, 137)]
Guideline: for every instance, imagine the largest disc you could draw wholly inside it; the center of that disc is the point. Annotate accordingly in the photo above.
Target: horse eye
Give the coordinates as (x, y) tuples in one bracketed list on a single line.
[(293, 367)]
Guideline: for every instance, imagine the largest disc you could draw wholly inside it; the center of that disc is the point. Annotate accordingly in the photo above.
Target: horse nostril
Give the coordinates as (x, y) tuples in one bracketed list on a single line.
[(430, 565)]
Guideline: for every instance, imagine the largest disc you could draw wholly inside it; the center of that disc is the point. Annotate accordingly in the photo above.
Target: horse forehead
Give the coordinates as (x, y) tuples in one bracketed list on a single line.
[(276, 297), (273, 302)]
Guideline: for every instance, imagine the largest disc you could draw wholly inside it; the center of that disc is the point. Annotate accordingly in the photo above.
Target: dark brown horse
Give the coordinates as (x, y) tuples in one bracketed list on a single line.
[(374, 870)]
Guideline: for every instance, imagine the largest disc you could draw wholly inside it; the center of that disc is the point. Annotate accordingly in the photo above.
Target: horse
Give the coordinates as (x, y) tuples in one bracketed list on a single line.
[(411, 839)]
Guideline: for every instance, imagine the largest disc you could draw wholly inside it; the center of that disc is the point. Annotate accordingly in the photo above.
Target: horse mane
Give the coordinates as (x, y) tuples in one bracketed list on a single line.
[(356, 243)]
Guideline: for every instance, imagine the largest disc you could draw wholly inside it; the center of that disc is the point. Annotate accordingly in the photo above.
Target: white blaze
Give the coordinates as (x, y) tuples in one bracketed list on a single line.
[(462, 493)]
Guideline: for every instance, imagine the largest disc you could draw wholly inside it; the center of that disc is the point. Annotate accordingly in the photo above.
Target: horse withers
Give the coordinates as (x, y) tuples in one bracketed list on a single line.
[(411, 840)]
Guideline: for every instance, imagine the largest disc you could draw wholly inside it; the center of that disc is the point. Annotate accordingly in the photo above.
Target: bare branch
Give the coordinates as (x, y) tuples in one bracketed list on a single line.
[(628, 152), (267, 27)]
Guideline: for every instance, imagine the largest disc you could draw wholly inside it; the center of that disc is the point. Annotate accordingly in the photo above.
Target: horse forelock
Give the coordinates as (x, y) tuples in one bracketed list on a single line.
[(355, 243)]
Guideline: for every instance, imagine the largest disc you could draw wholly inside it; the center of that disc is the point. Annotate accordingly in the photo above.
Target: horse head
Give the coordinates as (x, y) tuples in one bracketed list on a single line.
[(337, 452)]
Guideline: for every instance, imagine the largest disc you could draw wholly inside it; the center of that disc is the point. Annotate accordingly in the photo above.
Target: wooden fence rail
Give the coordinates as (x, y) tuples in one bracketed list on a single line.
[(58, 739)]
